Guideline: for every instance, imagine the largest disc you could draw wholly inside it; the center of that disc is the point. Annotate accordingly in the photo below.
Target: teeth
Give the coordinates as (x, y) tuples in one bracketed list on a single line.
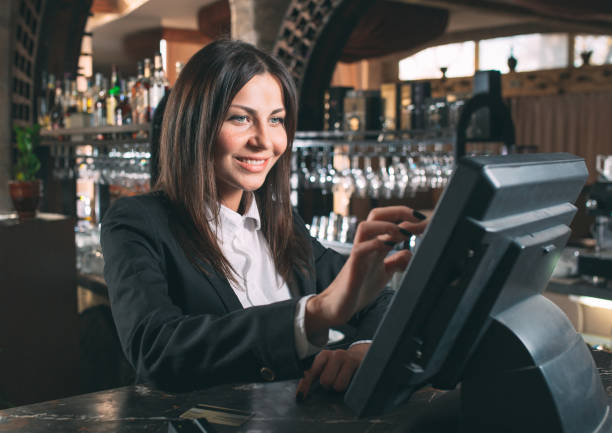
[(253, 161)]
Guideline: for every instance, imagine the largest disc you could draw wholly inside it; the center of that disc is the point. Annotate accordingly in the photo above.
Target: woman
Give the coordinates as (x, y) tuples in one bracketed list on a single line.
[(212, 278)]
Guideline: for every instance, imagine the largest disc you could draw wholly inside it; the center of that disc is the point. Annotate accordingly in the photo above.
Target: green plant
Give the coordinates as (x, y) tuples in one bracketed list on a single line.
[(27, 164)]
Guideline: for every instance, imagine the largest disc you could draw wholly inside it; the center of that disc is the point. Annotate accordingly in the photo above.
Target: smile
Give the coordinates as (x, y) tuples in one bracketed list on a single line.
[(253, 165)]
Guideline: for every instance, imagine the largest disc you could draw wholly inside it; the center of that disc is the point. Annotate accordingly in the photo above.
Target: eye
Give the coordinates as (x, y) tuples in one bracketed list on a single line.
[(277, 120), (240, 118)]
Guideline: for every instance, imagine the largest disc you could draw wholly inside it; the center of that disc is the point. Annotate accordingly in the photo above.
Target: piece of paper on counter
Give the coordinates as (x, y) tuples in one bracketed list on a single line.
[(218, 415)]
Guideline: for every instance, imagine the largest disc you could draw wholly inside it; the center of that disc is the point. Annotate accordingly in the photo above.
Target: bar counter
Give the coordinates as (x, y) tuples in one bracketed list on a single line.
[(273, 408)]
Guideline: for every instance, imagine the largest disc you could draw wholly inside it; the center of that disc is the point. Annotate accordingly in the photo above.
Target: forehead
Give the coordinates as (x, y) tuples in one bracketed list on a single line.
[(263, 89)]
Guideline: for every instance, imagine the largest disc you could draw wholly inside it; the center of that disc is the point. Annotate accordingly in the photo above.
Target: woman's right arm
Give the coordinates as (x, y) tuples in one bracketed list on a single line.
[(367, 270), (361, 279)]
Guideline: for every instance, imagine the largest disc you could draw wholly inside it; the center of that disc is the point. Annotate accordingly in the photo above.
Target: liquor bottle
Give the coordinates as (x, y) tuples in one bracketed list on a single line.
[(144, 110), (50, 91), (136, 104), (87, 98), (158, 84), (57, 110), (66, 102), (75, 99), (112, 99), (100, 102), (43, 103), (123, 112)]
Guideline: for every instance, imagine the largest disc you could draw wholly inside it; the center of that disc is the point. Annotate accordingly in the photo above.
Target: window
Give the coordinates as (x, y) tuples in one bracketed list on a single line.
[(532, 52), (601, 47), (457, 58)]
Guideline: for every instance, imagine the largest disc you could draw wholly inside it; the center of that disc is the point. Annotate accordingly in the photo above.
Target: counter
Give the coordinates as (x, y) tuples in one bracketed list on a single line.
[(273, 408)]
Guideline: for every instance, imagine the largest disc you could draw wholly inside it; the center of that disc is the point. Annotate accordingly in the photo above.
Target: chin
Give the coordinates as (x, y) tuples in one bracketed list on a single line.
[(251, 187)]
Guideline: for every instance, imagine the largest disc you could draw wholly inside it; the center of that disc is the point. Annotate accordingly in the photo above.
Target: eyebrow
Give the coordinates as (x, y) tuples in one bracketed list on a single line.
[(252, 112)]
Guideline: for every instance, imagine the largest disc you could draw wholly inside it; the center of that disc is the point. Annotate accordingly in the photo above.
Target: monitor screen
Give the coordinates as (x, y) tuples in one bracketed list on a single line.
[(469, 310)]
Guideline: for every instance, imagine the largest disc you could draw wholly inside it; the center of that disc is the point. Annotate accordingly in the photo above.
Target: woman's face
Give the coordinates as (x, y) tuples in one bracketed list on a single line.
[(251, 140)]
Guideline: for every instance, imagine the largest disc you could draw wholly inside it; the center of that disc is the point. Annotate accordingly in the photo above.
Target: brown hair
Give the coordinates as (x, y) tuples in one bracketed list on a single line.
[(193, 116)]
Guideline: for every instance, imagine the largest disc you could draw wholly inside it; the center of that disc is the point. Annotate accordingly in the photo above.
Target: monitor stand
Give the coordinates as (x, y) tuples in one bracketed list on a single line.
[(532, 372)]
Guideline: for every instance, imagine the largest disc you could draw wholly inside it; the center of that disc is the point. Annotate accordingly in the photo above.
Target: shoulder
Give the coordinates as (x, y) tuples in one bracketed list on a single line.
[(146, 215), (150, 206)]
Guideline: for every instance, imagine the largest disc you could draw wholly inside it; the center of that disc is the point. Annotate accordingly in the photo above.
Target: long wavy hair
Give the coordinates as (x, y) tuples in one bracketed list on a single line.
[(193, 116)]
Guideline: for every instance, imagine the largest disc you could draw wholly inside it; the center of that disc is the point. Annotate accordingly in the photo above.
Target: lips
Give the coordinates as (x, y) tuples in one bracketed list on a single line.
[(254, 165)]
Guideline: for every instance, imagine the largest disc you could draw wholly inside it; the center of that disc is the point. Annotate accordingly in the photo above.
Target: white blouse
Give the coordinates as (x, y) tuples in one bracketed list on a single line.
[(257, 282)]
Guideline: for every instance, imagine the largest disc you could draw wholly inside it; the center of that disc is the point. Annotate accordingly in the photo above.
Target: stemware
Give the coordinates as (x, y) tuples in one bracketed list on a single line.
[(359, 179)]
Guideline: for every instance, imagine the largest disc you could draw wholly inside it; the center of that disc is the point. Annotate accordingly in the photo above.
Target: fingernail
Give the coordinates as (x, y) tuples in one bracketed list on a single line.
[(390, 243), (418, 215), (404, 232), (299, 397)]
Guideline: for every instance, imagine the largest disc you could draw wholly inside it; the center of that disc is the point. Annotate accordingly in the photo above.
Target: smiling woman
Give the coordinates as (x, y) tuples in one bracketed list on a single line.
[(212, 277), (251, 139)]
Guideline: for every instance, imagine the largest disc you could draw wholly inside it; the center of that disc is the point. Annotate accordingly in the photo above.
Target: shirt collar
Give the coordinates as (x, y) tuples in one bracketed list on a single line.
[(231, 221)]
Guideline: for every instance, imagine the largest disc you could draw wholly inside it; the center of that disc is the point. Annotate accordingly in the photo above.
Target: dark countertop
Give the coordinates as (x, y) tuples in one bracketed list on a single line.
[(142, 409)]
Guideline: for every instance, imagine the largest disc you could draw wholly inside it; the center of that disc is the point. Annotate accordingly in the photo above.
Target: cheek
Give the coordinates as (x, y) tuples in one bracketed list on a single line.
[(280, 143), (226, 143)]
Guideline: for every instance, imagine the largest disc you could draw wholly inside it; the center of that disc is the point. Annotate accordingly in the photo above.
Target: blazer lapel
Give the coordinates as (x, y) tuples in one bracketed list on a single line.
[(222, 287)]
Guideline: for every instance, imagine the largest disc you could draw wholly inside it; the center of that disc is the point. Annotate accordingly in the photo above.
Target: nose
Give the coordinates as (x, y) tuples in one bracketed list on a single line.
[(261, 137)]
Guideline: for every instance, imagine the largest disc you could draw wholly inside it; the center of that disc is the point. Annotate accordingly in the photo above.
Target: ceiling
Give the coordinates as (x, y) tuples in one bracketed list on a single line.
[(468, 19), (109, 29)]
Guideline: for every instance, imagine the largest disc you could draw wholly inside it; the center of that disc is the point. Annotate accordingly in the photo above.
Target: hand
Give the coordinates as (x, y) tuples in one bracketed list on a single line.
[(333, 368), (367, 270)]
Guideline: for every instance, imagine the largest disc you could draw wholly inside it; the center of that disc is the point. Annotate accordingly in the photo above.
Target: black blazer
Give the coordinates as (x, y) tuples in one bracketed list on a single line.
[(184, 329)]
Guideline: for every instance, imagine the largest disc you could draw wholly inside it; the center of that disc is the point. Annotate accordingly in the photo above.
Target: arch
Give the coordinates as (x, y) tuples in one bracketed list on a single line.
[(310, 42)]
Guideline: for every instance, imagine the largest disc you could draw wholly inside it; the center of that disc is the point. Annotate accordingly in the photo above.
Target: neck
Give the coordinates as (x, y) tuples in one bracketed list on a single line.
[(237, 202)]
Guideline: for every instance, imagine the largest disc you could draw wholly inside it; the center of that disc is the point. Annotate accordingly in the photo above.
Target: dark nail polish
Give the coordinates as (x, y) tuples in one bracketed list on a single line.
[(390, 243), (405, 232), (299, 397), (418, 215)]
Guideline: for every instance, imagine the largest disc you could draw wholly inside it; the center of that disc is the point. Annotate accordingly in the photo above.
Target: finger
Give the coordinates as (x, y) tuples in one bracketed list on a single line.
[(299, 394), (344, 376), (369, 229), (365, 249), (333, 366), (395, 213), (397, 262), (413, 228), (311, 375)]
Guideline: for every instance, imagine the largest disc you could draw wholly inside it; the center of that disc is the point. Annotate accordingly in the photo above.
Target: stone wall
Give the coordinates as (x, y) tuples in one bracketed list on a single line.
[(257, 21)]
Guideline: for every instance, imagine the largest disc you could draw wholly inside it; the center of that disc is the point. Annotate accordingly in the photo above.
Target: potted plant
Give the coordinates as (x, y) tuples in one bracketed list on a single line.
[(25, 190)]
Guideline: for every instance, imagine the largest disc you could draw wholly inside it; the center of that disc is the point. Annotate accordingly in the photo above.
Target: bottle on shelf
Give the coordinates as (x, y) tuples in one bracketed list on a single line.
[(75, 105), (99, 117), (56, 113), (43, 103), (66, 98), (159, 83), (123, 112), (144, 109), (112, 99), (87, 98), (136, 93)]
